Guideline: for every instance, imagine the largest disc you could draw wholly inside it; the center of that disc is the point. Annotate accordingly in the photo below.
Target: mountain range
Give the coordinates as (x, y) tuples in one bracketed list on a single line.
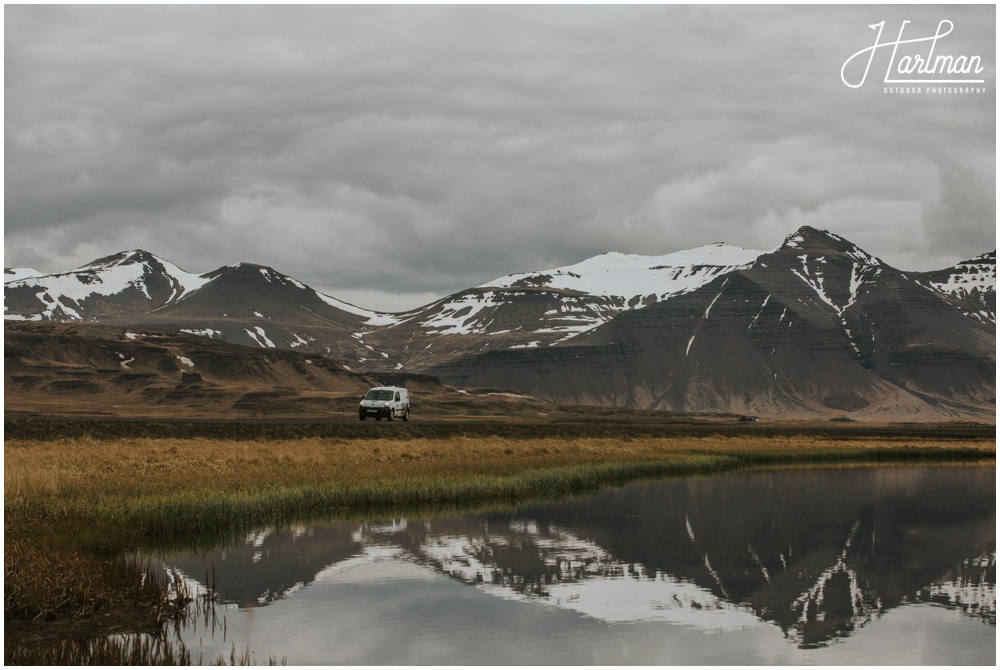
[(814, 328)]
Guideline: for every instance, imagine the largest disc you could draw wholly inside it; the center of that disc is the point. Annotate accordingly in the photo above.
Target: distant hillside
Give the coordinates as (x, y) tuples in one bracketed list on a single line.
[(104, 370), (90, 370)]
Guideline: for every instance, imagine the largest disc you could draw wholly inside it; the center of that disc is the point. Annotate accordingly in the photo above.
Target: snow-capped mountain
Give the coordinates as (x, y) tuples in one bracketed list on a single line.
[(258, 306), (543, 308), (125, 284), (815, 327), (241, 303)]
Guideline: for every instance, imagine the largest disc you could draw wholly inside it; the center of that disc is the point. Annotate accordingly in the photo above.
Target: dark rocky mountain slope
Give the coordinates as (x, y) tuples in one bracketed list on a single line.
[(815, 328)]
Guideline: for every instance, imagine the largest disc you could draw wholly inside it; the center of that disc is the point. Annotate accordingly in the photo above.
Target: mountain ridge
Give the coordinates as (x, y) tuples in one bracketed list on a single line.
[(814, 326), (950, 279)]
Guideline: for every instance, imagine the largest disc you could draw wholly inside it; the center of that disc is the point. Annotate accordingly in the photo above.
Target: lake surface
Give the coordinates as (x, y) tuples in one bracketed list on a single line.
[(886, 565)]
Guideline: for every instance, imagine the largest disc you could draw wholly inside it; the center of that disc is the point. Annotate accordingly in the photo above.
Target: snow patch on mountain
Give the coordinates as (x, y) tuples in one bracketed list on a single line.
[(203, 332), (260, 337), (978, 274), (458, 316), (815, 269), (13, 274), (299, 341), (972, 283), (591, 292), (633, 277), (815, 282), (373, 319)]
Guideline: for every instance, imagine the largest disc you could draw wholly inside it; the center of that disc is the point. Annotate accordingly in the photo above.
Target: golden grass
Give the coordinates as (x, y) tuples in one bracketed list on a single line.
[(167, 487), (59, 468)]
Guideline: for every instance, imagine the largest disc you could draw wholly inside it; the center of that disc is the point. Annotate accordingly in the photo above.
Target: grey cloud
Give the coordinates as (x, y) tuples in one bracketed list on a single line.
[(420, 150)]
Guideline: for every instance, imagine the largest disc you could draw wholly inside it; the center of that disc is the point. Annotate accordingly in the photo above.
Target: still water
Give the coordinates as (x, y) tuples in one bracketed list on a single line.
[(890, 565)]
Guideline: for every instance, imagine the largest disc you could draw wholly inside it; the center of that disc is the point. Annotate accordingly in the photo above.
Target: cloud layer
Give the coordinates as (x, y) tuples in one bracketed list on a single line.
[(390, 155)]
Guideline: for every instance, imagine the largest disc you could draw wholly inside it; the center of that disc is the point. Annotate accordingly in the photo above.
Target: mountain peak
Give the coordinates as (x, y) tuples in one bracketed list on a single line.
[(133, 256), (807, 236), (817, 242), (254, 273)]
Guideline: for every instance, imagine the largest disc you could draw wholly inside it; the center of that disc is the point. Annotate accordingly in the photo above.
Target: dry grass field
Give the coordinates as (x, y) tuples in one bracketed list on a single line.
[(177, 486), (88, 467)]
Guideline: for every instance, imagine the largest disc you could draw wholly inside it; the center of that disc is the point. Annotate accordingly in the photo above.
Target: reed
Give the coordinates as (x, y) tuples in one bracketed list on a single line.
[(132, 649), (42, 584), (59, 606)]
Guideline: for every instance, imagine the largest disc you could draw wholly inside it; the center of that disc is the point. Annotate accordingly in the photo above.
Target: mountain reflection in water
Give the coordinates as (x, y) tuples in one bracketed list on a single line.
[(819, 553)]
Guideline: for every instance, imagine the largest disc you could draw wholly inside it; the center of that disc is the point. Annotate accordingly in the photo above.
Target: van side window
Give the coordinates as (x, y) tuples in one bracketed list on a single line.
[(397, 396)]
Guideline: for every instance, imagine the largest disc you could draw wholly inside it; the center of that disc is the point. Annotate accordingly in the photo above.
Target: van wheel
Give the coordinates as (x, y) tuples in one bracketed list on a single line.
[(392, 412), (406, 417)]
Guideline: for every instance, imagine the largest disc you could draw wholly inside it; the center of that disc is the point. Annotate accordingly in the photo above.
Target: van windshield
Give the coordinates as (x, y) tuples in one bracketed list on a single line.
[(379, 394)]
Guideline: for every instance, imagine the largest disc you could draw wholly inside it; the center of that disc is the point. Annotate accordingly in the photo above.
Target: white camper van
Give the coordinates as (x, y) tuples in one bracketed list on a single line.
[(385, 401)]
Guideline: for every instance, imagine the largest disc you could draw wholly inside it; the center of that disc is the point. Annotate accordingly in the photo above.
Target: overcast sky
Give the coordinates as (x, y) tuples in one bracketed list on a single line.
[(392, 155)]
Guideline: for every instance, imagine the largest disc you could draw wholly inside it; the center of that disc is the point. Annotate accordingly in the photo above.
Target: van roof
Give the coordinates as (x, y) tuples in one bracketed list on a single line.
[(390, 388)]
